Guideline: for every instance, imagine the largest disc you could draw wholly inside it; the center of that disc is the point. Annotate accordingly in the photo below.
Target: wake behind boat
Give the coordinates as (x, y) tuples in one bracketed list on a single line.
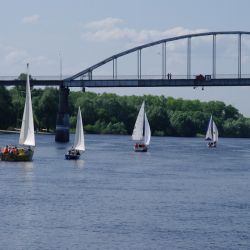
[(79, 143), (25, 150), (212, 134), (141, 133)]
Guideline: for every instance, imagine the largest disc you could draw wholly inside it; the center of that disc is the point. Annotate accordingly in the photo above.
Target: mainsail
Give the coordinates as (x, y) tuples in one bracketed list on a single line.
[(138, 129), (79, 143), (209, 135), (27, 135)]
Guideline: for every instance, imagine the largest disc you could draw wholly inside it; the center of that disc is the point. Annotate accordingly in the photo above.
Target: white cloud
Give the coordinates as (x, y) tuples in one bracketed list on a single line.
[(111, 29), (15, 56), (106, 23), (31, 19)]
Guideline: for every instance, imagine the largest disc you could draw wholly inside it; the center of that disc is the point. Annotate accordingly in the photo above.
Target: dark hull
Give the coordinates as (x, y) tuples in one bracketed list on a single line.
[(72, 157), (211, 145), (22, 155), (140, 148)]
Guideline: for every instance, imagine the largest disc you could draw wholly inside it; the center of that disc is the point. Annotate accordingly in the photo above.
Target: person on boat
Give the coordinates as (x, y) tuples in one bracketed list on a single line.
[(6, 150), (14, 150), (73, 152), (11, 150)]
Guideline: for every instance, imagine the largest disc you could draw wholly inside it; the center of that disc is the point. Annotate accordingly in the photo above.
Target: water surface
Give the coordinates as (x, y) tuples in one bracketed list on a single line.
[(179, 195)]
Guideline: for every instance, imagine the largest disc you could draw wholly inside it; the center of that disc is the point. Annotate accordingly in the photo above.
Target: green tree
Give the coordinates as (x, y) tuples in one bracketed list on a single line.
[(47, 109), (6, 109), (182, 124)]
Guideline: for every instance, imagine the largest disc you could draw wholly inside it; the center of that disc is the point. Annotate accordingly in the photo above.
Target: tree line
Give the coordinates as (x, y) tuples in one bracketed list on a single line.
[(113, 114)]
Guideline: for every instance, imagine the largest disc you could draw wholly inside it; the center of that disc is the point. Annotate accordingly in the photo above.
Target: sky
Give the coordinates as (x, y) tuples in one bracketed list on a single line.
[(84, 32)]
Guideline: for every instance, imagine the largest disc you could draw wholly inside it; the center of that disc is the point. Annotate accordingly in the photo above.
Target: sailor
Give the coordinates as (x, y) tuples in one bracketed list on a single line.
[(6, 150)]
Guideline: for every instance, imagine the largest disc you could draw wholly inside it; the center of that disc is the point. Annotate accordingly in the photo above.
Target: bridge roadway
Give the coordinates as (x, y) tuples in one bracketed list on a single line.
[(133, 83)]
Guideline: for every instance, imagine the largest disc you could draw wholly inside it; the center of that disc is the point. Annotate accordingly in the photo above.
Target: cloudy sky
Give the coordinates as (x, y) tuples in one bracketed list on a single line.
[(85, 32)]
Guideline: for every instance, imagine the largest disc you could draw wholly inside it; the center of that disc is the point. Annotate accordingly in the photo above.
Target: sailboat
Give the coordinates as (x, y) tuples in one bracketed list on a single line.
[(141, 133), (25, 150), (79, 143), (212, 134)]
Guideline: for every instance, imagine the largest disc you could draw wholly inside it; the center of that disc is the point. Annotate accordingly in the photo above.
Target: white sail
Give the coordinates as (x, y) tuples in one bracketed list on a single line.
[(27, 135), (215, 133), (147, 131), (138, 129), (79, 143), (209, 135)]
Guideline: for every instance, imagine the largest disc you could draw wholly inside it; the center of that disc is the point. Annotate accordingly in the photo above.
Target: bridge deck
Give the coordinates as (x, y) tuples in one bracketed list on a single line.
[(132, 83), (157, 83)]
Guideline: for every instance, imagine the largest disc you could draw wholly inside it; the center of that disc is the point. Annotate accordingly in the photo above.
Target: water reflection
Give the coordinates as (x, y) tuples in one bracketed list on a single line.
[(28, 166), (79, 164)]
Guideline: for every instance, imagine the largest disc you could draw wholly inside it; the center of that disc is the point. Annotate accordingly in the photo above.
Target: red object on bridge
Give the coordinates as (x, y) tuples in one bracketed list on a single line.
[(200, 77)]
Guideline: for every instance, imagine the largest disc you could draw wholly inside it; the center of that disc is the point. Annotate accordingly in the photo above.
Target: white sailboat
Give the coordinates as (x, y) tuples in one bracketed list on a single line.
[(212, 134), (141, 133), (79, 143), (25, 151)]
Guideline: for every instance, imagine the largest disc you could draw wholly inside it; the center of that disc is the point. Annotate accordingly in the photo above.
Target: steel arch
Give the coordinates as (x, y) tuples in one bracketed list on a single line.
[(139, 48)]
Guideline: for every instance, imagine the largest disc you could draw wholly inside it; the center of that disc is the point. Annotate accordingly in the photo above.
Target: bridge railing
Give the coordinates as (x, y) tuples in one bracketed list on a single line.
[(170, 76)]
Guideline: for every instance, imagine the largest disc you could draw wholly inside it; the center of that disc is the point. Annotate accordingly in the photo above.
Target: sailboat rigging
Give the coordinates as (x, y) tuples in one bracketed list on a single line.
[(212, 134), (79, 142), (141, 133), (25, 151)]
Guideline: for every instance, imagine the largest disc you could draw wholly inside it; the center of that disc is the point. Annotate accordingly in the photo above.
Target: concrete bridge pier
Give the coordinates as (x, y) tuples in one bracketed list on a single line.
[(62, 120)]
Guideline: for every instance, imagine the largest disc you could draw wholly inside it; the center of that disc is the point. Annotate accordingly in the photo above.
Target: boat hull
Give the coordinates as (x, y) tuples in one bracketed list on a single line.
[(23, 154), (211, 144), (71, 157), (140, 148)]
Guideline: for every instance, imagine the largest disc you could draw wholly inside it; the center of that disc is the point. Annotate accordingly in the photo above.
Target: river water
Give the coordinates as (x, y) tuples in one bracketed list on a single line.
[(179, 195)]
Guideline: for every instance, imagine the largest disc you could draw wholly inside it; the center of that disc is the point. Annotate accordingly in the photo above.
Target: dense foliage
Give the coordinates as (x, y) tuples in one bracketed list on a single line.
[(110, 113)]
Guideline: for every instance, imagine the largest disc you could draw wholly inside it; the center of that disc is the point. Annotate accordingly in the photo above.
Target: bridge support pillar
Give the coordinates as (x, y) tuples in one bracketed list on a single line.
[(62, 120)]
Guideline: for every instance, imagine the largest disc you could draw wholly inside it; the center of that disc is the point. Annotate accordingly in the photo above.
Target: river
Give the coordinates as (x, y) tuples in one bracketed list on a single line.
[(179, 195)]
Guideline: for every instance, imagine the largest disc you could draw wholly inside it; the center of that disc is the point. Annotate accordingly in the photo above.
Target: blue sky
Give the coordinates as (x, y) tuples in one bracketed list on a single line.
[(87, 31)]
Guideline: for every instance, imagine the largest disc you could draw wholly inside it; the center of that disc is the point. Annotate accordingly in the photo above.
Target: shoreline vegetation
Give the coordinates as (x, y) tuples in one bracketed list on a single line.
[(112, 114)]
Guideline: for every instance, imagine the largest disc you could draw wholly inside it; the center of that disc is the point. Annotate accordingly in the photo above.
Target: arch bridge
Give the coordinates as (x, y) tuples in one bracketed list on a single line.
[(87, 78)]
